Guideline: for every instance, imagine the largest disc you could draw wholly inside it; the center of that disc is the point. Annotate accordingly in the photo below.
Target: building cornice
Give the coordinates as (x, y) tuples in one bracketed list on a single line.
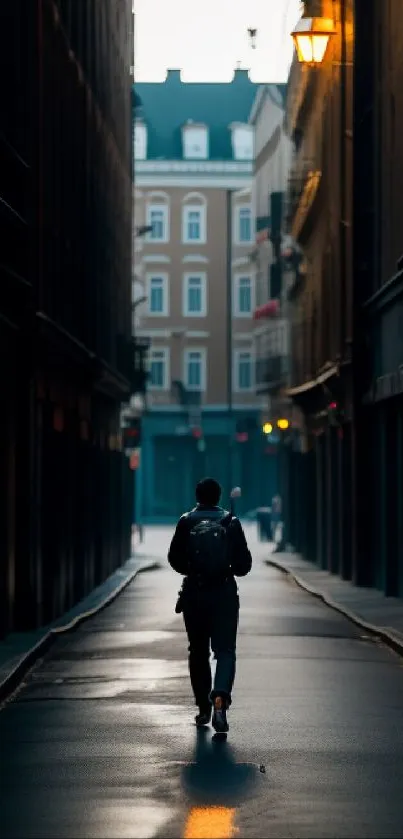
[(192, 167), (201, 182)]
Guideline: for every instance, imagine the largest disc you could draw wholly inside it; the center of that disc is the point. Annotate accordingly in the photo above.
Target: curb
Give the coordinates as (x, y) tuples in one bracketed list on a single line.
[(13, 679), (391, 640)]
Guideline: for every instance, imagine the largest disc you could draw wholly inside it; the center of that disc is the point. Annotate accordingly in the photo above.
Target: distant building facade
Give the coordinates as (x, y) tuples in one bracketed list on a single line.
[(194, 153), (273, 150)]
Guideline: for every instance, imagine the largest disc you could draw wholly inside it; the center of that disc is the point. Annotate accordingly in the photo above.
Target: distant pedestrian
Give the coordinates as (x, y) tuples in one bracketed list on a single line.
[(209, 548), (276, 512)]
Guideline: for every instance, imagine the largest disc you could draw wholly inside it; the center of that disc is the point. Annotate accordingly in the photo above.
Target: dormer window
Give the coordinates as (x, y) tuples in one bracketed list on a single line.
[(242, 142), (140, 141), (195, 141)]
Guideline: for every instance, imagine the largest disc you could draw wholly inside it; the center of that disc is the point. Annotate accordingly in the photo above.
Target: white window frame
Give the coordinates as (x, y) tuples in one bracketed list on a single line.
[(202, 131), (203, 378), (185, 300), (236, 311), (237, 224), (166, 357), (140, 141), (235, 372), (164, 208), (239, 145), (158, 275), (192, 208)]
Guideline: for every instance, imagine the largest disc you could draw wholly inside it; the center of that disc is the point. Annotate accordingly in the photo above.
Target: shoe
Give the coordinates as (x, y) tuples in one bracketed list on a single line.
[(220, 723), (203, 717)]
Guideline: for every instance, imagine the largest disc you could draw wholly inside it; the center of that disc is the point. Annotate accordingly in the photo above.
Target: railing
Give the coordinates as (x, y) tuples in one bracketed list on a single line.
[(131, 357), (271, 373)]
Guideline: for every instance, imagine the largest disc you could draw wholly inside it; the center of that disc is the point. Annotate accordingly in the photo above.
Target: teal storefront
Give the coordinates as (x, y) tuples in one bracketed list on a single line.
[(172, 461)]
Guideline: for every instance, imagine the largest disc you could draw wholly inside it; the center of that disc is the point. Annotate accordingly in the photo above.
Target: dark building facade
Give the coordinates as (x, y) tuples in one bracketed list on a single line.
[(66, 360), (378, 286), (319, 219), (345, 210)]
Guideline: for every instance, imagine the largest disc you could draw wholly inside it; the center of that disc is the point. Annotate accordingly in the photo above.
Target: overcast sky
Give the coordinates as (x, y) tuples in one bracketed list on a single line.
[(206, 40)]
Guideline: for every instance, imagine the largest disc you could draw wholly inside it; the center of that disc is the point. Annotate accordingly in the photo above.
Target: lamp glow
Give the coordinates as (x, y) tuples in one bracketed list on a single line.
[(311, 37)]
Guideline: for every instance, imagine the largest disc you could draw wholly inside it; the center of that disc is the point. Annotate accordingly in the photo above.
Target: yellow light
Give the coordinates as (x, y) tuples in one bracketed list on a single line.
[(267, 428), (210, 823), (311, 37), (283, 424)]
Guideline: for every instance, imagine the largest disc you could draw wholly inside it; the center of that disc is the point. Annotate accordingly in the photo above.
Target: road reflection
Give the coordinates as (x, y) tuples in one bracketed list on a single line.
[(215, 785), (214, 776), (210, 823)]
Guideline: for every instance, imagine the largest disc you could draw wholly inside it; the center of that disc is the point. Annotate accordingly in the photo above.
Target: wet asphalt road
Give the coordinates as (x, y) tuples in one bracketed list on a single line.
[(100, 741)]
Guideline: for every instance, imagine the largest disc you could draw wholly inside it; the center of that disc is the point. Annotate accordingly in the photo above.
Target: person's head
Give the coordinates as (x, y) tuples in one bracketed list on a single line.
[(208, 492)]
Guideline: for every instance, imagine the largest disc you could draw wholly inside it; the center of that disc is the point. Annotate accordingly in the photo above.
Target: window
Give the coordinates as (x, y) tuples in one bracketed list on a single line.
[(243, 370), (242, 142), (243, 296), (195, 369), (195, 142), (243, 225), (157, 217), (159, 374), (194, 224), (194, 301), (157, 288), (140, 142)]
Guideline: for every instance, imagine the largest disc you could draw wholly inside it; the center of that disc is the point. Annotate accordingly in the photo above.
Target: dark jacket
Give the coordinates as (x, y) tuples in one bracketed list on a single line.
[(241, 559)]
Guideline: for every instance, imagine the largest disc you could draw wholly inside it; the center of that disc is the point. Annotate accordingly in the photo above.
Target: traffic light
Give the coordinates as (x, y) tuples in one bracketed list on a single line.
[(132, 433), (267, 428), (283, 424)]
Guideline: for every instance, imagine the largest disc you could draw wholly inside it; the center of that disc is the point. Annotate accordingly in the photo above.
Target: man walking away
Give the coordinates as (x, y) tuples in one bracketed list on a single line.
[(209, 548)]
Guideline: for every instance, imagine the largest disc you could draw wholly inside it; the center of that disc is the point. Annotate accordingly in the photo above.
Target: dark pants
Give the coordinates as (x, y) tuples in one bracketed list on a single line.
[(211, 618)]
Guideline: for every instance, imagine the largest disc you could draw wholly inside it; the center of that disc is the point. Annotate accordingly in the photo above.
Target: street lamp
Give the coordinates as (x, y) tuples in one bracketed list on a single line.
[(311, 37)]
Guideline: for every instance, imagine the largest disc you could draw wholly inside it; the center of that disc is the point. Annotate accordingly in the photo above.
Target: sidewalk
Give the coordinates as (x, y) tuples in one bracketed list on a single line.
[(368, 608), (19, 650)]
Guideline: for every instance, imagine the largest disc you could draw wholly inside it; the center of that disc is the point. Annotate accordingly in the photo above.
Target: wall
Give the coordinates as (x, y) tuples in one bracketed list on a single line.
[(176, 258)]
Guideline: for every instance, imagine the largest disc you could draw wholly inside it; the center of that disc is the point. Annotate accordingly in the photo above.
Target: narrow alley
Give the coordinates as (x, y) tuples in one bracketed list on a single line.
[(99, 741)]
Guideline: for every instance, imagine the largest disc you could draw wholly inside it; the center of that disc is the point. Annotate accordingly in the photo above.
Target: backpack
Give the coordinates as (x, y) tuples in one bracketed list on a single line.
[(209, 554)]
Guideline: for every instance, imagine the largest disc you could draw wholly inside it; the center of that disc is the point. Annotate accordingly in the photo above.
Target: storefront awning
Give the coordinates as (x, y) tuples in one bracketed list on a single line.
[(311, 396), (268, 310)]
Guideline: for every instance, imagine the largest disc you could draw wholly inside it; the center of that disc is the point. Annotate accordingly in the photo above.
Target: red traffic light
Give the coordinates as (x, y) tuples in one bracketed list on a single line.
[(197, 433)]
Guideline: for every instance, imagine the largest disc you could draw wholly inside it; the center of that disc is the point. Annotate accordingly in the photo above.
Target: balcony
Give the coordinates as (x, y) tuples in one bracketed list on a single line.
[(132, 362), (271, 373)]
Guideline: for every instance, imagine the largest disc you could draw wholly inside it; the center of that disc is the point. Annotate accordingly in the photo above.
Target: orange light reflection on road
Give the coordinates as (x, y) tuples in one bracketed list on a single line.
[(210, 823)]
